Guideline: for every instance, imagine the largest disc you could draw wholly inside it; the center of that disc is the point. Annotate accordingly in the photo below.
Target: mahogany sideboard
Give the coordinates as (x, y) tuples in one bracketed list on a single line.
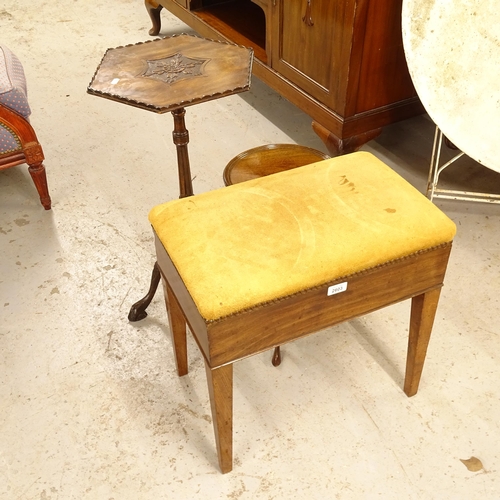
[(340, 61)]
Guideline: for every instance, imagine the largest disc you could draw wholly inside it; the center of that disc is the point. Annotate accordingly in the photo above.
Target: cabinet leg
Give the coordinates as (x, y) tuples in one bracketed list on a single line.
[(339, 146), (154, 9)]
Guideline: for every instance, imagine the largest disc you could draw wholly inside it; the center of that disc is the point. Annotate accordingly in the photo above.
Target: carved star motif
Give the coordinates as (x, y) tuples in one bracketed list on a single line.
[(174, 68)]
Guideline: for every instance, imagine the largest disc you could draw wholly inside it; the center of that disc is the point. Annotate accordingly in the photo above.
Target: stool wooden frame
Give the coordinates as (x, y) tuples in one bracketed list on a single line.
[(222, 342)]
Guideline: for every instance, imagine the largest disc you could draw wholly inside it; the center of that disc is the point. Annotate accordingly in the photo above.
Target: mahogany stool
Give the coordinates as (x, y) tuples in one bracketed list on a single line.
[(269, 159), (256, 265)]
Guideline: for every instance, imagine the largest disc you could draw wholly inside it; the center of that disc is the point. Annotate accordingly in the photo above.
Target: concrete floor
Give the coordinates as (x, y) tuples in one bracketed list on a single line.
[(90, 404)]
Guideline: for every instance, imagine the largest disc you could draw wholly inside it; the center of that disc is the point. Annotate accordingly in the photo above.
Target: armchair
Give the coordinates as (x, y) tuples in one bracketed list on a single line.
[(18, 140)]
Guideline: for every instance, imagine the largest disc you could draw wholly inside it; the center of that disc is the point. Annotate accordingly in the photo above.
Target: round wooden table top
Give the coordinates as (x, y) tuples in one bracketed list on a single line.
[(269, 159), (453, 52)]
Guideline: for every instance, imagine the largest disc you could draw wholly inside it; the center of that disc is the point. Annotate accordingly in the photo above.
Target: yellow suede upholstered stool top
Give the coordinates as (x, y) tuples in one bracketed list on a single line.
[(268, 238)]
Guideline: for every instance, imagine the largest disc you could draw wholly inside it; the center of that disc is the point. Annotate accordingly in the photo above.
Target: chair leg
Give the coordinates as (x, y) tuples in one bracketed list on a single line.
[(138, 310), (177, 325), (37, 172), (220, 387), (423, 311)]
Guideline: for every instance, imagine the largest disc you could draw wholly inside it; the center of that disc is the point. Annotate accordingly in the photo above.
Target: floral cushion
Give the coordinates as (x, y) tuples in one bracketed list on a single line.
[(13, 91)]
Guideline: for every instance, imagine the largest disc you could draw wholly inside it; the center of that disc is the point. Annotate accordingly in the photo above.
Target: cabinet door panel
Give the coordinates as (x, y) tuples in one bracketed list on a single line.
[(383, 75), (311, 45)]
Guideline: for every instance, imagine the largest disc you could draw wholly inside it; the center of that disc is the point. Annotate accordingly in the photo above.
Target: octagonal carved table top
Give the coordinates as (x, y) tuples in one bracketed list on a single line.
[(170, 73)]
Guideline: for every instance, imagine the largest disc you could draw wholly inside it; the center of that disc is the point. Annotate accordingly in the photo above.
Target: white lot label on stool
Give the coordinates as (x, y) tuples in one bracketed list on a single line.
[(114, 81), (339, 288)]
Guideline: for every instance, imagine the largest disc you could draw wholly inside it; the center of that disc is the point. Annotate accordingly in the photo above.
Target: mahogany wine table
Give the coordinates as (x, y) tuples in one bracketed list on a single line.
[(167, 75)]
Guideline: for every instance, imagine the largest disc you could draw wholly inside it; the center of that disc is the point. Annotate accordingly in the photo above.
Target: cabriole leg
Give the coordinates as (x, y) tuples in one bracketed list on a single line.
[(154, 9), (138, 310)]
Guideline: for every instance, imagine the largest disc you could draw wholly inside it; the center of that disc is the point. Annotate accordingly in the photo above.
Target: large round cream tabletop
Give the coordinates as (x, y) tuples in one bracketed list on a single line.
[(453, 52)]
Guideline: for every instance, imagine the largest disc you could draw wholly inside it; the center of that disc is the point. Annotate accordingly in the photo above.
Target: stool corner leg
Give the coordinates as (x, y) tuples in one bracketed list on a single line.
[(220, 387), (423, 311), (177, 325)]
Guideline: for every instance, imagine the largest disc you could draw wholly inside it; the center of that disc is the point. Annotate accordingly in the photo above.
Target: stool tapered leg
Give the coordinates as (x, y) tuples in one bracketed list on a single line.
[(177, 324), (220, 387), (423, 311)]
